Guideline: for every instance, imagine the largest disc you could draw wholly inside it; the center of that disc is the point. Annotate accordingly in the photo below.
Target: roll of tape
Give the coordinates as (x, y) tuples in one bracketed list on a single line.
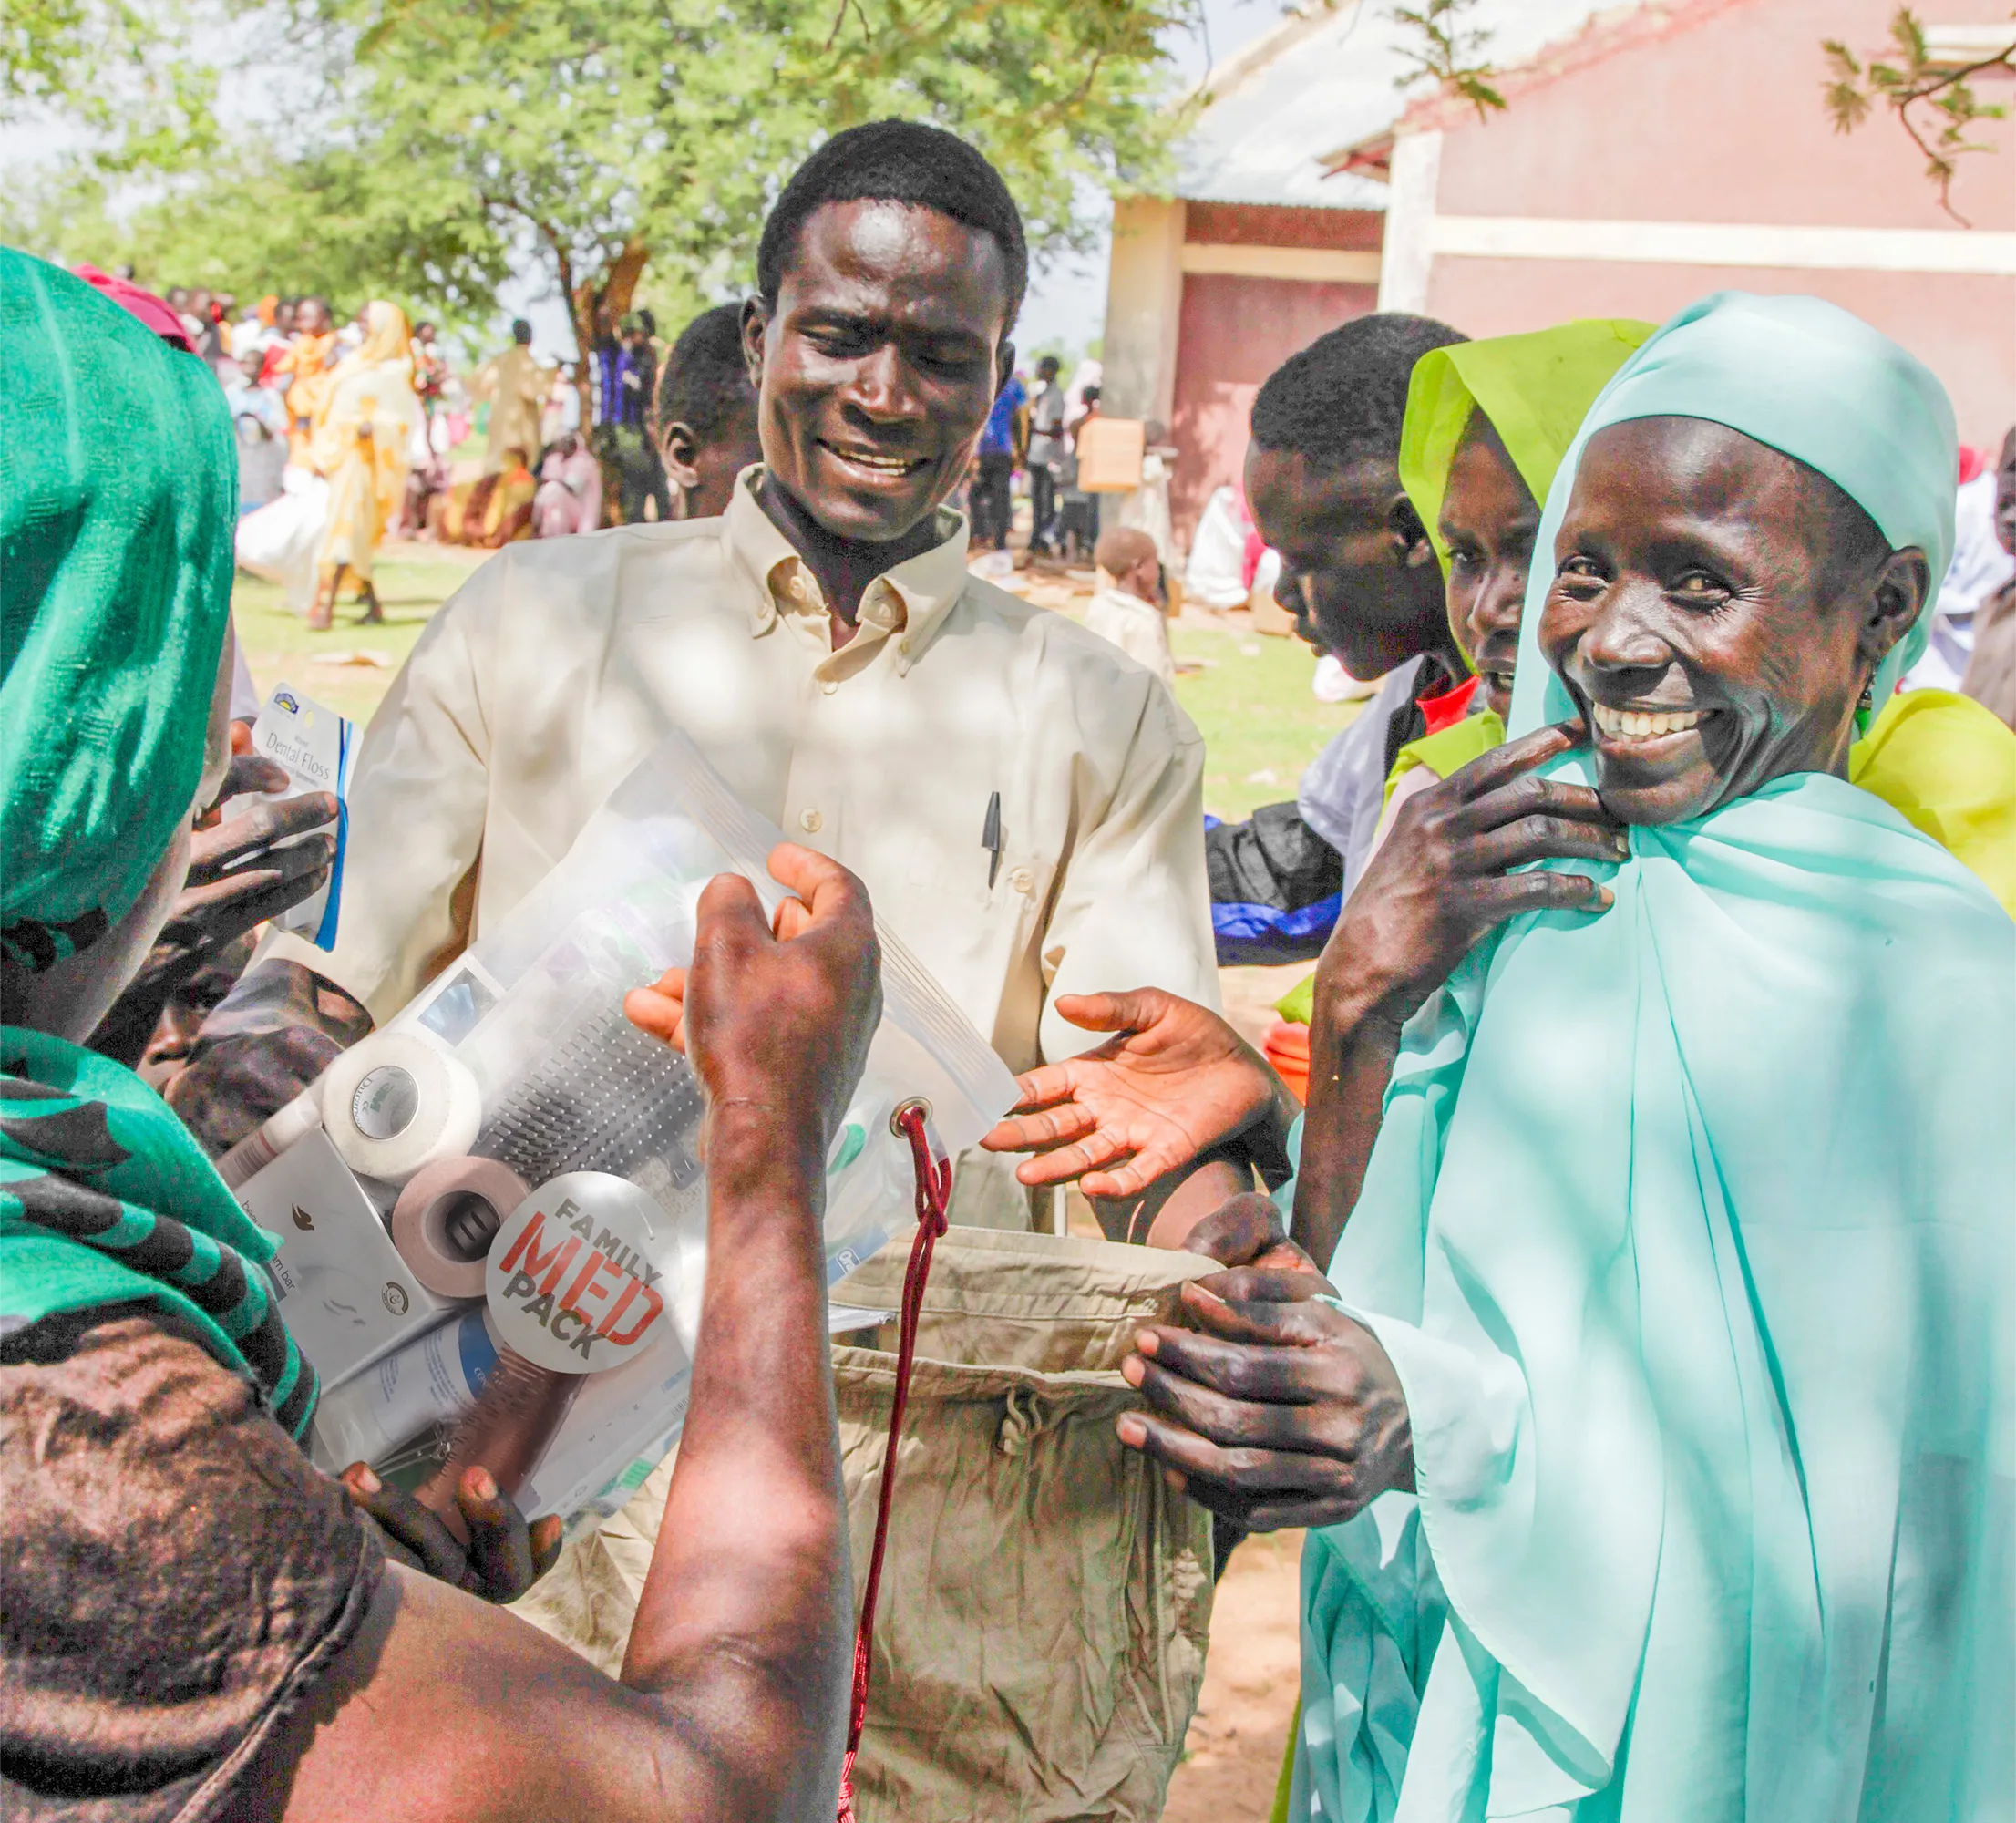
[(446, 1218), (394, 1104)]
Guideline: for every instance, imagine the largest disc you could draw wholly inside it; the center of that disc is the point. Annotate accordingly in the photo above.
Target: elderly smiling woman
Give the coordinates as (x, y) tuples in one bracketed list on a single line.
[(1654, 1424)]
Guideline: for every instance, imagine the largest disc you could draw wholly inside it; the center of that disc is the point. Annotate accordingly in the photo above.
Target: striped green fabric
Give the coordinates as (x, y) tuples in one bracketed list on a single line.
[(91, 1160)]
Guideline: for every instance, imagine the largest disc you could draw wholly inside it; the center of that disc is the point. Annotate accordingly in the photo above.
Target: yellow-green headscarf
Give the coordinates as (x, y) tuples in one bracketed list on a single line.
[(1536, 390)]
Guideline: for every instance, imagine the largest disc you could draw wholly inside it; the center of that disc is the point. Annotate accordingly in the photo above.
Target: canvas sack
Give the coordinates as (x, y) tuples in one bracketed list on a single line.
[(1046, 1598)]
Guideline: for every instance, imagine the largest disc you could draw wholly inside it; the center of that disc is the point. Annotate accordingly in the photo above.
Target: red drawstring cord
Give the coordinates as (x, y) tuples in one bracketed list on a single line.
[(934, 1173)]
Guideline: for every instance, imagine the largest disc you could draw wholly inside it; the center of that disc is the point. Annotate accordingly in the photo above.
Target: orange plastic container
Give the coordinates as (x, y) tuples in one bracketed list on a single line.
[(1287, 1048)]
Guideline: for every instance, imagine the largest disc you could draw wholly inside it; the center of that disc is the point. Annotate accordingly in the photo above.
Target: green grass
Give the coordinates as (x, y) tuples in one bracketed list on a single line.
[(1251, 701), (280, 650), (1253, 704)]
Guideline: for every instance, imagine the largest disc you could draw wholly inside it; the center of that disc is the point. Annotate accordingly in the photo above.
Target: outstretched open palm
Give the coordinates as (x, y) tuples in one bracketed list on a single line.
[(1172, 1081)]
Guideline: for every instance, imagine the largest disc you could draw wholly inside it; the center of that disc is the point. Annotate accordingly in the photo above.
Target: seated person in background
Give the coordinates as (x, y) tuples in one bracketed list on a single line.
[(197, 1622), (1671, 1316), (492, 511), (707, 414), (1358, 572), (1128, 610), (570, 496)]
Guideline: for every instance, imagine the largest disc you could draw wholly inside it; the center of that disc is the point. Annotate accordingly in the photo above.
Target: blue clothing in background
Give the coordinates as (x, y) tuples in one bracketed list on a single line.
[(999, 437)]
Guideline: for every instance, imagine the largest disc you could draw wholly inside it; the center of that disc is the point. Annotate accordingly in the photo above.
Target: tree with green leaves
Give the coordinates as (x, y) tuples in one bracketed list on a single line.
[(448, 143), (115, 71), (1932, 97)]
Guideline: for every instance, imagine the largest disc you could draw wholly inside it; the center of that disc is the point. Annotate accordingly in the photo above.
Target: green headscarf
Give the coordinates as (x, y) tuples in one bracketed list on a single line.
[(1687, 1234), (118, 501), (115, 519)]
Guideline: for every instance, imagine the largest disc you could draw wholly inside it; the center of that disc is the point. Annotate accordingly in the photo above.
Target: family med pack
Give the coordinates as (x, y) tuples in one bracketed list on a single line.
[(493, 1212)]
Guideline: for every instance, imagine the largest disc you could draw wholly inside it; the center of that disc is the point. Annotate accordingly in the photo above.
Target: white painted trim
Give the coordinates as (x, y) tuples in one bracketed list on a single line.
[(1720, 243), (1331, 265), (1955, 47), (1413, 179)]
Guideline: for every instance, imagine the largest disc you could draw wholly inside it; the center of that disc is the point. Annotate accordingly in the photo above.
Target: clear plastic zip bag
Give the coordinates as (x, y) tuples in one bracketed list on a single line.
[(511, 1114)]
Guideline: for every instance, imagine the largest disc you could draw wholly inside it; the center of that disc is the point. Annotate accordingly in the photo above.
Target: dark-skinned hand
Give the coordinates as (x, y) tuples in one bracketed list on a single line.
[(1246, 1230), (504, 1556), (273, 1035), (243, 871), (1174, 1081), (1271, 1409), (1441, 878), (253, 865), (775, 1013)]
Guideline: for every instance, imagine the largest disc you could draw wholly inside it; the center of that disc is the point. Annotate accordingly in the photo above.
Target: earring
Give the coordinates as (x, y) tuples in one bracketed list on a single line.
[(1868, 696)]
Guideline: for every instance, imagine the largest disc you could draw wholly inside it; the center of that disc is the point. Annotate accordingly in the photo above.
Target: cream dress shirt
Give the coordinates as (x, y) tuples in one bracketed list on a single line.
[(559, 663)]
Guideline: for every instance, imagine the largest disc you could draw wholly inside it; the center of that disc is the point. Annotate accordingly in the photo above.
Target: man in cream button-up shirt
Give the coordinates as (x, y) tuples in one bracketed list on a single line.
[(1022, 802), (560, 664)]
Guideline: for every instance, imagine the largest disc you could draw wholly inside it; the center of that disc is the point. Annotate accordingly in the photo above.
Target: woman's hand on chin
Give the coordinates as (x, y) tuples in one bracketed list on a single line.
[(1444, 876), (1274, 1409)]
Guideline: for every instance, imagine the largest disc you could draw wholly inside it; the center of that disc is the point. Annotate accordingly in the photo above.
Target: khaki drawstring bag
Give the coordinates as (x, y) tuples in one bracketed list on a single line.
[(1046, 1598)]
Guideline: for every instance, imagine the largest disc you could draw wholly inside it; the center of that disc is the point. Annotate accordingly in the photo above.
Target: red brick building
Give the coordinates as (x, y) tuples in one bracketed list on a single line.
[(1652, 151)]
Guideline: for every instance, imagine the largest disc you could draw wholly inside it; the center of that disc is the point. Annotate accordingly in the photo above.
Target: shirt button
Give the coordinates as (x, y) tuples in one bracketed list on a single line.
[(809, 821), (828, 685), (1023, 881)]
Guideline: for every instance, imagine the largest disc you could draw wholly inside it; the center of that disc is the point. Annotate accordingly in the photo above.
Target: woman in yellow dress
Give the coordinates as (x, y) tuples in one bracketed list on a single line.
[(359, 447)]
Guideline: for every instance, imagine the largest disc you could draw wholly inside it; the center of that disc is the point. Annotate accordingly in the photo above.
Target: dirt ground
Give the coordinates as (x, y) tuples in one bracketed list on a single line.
[(1233, 1757)]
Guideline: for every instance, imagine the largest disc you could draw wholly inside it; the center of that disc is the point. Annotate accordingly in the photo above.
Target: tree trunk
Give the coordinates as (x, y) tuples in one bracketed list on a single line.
[(597, 309)]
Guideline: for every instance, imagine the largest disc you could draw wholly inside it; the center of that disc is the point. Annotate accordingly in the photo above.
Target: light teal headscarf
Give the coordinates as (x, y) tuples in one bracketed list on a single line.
[(1688, 1231)]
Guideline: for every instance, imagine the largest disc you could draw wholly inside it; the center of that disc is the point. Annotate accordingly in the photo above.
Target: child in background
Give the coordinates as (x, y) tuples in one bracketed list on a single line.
[(1127, 610)]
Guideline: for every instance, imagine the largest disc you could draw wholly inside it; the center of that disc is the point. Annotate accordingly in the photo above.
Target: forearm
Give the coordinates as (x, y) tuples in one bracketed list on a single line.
[(743, 1628), (1353, 1043)]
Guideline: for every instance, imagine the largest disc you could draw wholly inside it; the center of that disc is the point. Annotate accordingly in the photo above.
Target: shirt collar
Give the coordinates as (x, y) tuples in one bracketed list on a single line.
[(907, 603)]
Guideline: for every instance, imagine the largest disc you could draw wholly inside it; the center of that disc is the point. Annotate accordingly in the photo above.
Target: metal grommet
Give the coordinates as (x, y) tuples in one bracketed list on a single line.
[(897, 1113)]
